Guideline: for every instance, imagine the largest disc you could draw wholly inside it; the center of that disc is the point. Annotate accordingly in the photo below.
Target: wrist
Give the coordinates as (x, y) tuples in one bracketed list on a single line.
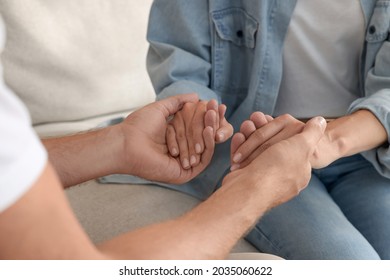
[(348, 137), (107, 151), (246, 190), (120, 150), (85, 156), (337, 144)]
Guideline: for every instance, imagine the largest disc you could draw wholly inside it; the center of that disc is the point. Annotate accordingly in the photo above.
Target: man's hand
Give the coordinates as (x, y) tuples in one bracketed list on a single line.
[(282, 170), (343, 137), (146, 152), (259, 133)]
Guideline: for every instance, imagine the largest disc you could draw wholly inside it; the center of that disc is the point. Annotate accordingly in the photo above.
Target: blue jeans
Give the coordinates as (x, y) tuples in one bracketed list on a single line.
[(344, 213)]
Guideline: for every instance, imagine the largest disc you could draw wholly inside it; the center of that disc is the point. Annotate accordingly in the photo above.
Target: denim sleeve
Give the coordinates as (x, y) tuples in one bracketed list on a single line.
[(377, 100), (178, 59)]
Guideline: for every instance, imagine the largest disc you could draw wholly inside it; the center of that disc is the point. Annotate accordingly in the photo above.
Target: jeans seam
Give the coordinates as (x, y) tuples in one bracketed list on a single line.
[(274, 246)]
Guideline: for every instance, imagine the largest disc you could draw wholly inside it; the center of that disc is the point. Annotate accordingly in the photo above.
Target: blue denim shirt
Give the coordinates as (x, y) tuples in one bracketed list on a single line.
[(231, 50)]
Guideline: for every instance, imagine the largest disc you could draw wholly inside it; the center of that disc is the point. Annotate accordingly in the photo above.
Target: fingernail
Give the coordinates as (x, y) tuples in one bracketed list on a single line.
[(322, 121), (186, 164), (193, 160), (174, 152), (237, 157), (234, 167), (198, 148), (221, 136)]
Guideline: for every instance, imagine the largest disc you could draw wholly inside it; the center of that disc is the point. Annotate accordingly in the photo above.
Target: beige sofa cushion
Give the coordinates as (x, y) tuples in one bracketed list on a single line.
[(77, 59), (105, 211)]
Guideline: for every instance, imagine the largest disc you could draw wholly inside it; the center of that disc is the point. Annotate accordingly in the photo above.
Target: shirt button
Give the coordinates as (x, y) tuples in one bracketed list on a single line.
[(240, 34), (372, 29)]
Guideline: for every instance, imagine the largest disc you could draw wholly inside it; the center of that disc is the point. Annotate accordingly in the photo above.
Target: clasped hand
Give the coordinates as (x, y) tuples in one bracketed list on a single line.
[(173, 140), (262, 131)]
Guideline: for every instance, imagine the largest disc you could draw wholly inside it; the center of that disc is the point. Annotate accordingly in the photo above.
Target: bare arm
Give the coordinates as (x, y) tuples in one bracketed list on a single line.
[(136, 146), (345, 136), (82, 157), (41, 224), (349, 135), (45, 224)]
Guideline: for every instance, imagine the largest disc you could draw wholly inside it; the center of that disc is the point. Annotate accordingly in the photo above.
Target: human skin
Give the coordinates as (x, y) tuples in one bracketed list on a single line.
[(345, 136), (142, 135), (184, 134), (41, 225)]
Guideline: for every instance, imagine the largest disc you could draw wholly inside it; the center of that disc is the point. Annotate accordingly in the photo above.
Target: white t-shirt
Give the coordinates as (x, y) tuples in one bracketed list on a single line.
[(22, 156), (321, 59)]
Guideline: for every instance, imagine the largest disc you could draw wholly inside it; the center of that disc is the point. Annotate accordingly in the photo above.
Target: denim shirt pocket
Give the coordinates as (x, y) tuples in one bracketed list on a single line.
[(237, 26), (377, 43), (378, 28), (234, 41)]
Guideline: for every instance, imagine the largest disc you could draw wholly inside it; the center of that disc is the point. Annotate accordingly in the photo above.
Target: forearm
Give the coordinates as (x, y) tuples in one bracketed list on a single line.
[(42, 217), (209, 231), (82, 157), (355, 133), (44, 221)]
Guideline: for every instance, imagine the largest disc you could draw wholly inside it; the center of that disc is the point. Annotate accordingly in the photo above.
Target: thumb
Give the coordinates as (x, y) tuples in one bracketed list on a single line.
[(173, 104), (314, 130)]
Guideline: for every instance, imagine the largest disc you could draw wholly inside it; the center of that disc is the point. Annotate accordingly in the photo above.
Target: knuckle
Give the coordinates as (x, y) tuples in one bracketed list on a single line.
[(285, 117), (198, 121), (259, 135), (306, 143), (187, 106), (265, 146), (180, 135), (198, 134), (262, 148), (170, 136), (189, 131), (176, 119), (203, 103)]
